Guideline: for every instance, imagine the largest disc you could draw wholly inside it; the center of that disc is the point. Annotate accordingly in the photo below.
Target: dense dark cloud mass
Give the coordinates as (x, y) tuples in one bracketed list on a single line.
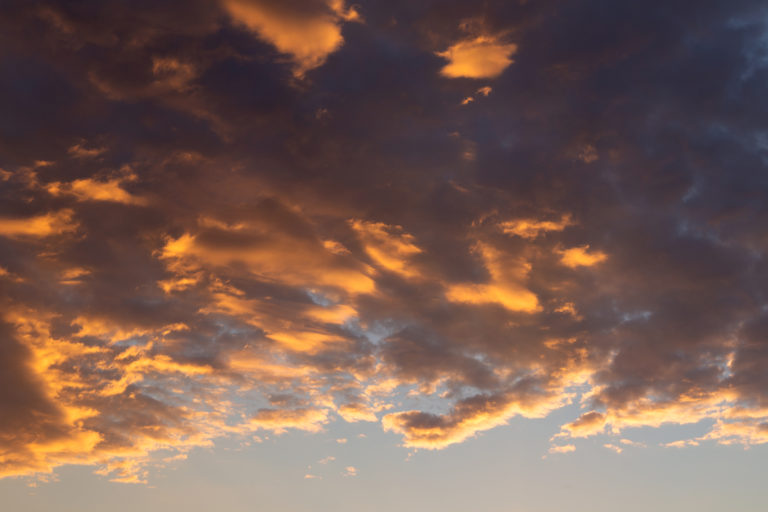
[(221, 217)]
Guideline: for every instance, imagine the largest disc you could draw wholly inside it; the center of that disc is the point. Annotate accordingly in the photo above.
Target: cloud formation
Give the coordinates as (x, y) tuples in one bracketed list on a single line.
[(197, 244), (479, 57), (308, 31)]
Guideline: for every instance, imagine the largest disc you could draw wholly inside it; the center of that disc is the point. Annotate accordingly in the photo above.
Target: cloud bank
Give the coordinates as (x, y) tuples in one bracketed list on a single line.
[(224, 218)]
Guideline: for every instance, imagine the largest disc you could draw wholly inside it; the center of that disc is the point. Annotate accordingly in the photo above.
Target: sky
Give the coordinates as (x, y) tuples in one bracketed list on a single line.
[(301, 255)]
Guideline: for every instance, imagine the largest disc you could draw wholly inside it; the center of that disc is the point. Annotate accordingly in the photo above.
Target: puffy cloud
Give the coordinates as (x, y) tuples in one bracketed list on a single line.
[(308, 31), (483, 56)]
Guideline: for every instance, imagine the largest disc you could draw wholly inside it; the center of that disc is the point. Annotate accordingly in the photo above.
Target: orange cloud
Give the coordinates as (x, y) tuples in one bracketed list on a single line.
[(388, 246), (466, 419), (506, 287), (269, 254), (588, 424), (480, 57), (279, 420), (581, 257), (533, 228), (89, 189), (307, 35), (353, 413), (48, 224), (567, 448)]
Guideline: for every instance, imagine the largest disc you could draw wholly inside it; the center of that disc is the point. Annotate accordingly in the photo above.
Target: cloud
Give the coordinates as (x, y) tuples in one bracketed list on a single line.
[(97, 190), (581, 257), (479, 57), (278, 420), (566, 448), (48, 224), (195, 244), (468, 417), (388, 246), (506, 287), (588, 424), (532, 228), (308, 31)]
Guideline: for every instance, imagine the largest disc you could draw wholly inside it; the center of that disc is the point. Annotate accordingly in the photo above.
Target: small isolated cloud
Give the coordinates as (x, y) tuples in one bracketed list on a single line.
[(308, 34), (567, 448), (478, 57), (613, 447), (350, 471), (581, 257), (310, 476)]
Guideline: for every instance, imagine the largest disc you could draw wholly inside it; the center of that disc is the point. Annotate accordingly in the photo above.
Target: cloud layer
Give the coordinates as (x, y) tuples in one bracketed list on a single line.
[(223, 218)]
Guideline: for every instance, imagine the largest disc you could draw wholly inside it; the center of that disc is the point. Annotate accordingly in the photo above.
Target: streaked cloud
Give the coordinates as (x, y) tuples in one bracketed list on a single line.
[(39, 226)]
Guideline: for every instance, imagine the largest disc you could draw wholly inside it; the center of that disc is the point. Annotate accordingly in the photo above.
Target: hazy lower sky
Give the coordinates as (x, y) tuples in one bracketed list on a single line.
[(302, 255)]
